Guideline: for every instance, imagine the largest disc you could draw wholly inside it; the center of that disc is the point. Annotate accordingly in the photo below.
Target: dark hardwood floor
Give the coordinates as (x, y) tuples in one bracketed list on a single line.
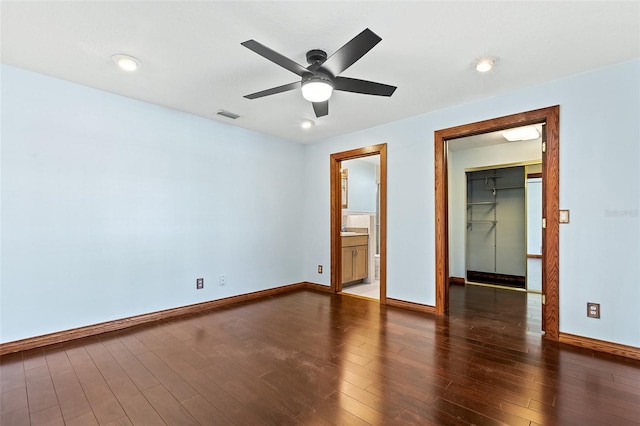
[(317, 359)]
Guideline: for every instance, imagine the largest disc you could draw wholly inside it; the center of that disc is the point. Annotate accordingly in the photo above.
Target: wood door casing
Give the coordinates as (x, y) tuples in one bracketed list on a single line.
[(543, 323), (551, 118), (335, 161)]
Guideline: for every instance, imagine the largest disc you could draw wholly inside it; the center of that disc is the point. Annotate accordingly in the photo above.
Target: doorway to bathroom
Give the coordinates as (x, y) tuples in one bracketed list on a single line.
[(358, 222), (360, 226)]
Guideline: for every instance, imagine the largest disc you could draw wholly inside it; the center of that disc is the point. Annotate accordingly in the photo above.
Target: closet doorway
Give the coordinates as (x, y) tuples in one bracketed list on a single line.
[(357, 237), (548, 118), (502, 227)]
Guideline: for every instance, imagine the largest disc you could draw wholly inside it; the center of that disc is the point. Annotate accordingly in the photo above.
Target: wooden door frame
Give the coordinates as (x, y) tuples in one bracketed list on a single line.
[(550, 194), (336, 214)]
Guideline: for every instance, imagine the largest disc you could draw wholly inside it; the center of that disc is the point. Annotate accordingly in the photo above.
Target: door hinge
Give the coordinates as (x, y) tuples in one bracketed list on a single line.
[(544, 299), (544, 147), (544, 222)]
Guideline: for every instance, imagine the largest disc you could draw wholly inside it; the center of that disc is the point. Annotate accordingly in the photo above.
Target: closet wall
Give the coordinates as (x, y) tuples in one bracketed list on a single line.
[(496, 226), (534, 232)]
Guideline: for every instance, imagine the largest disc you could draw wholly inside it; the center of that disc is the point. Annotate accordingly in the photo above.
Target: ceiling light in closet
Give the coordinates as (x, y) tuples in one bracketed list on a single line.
[(307, 124), (521, 134), (126, 62)]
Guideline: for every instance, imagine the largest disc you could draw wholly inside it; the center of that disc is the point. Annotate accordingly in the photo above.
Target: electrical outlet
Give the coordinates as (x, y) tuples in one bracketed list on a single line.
[(319, 269), (593, 310), (199, 283), (223, 280)]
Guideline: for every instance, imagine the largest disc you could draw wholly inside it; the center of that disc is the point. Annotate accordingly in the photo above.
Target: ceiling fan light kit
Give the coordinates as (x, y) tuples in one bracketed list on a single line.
[(321, 77), (317, 89)]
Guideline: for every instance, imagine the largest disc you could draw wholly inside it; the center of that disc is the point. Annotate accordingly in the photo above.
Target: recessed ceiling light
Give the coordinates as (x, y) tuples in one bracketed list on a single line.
[(521, 134), (484, 65), (126, 62), (307, 124)]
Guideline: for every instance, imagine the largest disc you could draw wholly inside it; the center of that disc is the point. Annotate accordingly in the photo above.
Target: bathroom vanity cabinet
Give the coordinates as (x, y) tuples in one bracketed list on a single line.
[(355, 255)]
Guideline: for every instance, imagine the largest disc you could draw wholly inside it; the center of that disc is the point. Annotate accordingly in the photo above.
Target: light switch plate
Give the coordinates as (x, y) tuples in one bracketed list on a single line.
[(564, 216)]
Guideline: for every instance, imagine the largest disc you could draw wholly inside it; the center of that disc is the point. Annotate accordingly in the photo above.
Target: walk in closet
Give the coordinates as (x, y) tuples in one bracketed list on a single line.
[(496, 226)]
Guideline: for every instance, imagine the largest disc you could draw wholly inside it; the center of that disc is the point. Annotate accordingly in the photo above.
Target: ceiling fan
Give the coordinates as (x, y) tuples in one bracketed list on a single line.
[(321, 77)]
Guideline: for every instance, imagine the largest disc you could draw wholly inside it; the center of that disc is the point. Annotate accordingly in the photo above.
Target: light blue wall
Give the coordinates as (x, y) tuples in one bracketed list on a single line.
[(362, 185), (599, 183), (112, 207)]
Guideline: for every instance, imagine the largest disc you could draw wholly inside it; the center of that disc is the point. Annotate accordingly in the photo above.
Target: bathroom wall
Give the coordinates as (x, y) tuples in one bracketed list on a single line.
[(362, 185)]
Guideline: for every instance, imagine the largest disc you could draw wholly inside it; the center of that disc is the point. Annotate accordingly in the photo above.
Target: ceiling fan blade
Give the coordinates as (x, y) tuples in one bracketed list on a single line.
[(275, 57), (351, 52), (321, 108), (365, 87), (274, 90)]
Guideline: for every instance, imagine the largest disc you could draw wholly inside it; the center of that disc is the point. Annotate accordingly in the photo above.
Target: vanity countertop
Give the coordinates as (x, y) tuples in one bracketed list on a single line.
[(351, 234)]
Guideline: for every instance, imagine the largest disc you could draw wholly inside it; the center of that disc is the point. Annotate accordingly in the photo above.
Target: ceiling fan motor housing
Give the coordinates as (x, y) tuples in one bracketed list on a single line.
[(319, 76), (316, 56)]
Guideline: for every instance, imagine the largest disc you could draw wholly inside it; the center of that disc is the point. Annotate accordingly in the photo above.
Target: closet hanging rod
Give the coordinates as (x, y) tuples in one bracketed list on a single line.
[(486, 177), (495, 188)]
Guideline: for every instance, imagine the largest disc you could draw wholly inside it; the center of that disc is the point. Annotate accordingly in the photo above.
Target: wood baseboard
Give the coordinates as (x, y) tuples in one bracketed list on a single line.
[(317, 287), (600, 345), (419, 307), (456, 280), (119, 324)]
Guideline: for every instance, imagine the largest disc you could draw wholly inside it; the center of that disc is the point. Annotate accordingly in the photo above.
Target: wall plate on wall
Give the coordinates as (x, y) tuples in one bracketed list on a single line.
[(564, 216)]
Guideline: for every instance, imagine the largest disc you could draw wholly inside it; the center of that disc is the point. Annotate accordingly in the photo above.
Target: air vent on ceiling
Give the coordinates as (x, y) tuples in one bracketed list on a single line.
[(228, 114)]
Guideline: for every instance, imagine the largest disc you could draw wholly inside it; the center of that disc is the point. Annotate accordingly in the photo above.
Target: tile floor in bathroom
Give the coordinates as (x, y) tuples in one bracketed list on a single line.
[(371, 290)]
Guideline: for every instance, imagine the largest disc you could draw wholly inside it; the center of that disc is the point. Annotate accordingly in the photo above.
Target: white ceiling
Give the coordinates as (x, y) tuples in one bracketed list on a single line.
[(192, 59), (482, 140)]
